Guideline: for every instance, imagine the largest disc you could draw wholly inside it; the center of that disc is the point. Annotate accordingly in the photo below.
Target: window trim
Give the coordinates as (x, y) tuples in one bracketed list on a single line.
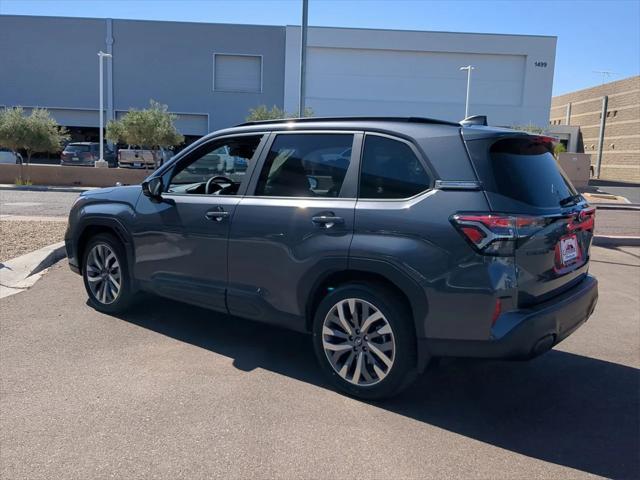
[(213, 70), (416, 151), (242, 189), (350, 177)]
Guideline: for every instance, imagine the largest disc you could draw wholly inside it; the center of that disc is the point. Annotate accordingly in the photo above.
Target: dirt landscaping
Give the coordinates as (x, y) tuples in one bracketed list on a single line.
[(18, 237)]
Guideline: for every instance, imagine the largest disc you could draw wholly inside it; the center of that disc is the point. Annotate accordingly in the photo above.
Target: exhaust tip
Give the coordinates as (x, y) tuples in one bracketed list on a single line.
[(543, 345)]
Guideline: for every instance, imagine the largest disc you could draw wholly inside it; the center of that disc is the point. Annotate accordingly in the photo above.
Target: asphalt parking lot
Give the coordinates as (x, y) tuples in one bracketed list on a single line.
[(173, 391)]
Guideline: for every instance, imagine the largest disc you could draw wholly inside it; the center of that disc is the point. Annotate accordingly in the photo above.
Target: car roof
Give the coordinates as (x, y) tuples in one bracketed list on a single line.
[(354, 119), (82, 143), (403, 126), (419, 128)]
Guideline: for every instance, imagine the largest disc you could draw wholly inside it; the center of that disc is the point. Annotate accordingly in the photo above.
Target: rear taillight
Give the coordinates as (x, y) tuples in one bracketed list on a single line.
[(585, 220), (496, 234), (87, 155), (497, 310)]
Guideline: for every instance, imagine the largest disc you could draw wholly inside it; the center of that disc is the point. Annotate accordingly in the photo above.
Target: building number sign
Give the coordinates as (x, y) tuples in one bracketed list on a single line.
[(541, 64)]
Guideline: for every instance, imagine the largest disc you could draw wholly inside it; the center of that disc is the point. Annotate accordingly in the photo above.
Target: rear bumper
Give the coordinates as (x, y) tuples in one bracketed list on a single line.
[(80, 163), (140, 167), (527, 333)]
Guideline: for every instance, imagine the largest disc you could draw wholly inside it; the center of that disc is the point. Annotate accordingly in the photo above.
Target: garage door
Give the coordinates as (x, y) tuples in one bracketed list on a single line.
[(344, 81)]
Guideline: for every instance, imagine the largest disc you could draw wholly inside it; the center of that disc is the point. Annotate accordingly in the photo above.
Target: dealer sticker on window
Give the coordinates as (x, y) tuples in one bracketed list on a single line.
[(569, 249)]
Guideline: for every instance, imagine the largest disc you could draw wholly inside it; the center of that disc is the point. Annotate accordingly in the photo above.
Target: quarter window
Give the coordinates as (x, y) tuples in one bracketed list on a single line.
[(390, 169), (305, 165)]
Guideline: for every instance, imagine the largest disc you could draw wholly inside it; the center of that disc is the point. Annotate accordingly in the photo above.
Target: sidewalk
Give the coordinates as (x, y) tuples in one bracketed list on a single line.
[(44, 188)]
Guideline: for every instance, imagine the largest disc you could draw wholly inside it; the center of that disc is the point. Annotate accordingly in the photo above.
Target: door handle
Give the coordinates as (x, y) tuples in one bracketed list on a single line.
[(327, 221), (217, 215)]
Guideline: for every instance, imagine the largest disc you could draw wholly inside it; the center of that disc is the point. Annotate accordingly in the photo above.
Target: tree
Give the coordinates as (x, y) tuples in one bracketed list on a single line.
[(559, 148), (35, 133), (261, 112), (152, 128)]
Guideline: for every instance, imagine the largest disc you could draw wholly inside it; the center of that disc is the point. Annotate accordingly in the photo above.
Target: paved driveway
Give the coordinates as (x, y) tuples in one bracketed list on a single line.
[(172, 391), (36, 203)]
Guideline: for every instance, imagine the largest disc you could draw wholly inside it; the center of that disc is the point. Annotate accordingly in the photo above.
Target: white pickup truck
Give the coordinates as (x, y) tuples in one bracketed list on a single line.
[(141, 158)]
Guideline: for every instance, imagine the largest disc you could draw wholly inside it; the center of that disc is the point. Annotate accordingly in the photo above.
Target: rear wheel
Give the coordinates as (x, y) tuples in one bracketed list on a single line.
[(364, 341), (105, 274)]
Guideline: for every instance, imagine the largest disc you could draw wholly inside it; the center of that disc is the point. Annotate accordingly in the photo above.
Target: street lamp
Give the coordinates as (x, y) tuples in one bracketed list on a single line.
[(468, 68), (102, 56), (303, 57)]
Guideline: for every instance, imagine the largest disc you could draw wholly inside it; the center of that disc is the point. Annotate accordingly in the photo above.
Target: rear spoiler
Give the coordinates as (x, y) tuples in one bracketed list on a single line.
[(475, 120)]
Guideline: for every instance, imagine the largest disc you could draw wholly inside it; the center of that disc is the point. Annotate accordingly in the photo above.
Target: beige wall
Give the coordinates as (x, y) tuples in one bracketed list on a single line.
[(56, 175), (621, 148), (576, 166)]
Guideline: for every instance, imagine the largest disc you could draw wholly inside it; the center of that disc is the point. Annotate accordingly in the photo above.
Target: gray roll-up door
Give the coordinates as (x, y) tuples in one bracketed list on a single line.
[(237, 73)]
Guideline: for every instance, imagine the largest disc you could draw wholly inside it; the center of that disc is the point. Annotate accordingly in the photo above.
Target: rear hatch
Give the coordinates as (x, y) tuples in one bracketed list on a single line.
[(77, 153), (550, 223)]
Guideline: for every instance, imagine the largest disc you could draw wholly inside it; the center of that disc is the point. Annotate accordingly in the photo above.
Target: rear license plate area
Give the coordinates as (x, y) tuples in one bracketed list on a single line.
[(568, 253)]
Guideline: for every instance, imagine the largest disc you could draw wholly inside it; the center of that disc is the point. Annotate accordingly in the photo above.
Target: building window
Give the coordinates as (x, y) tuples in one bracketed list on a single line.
[(237, 73)]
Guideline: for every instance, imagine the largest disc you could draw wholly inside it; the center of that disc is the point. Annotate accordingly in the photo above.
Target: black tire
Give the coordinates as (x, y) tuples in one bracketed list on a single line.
[(398, 315), (125, 296)]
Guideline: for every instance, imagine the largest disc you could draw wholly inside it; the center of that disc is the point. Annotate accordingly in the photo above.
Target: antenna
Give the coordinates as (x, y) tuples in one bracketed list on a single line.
[(606, 74)]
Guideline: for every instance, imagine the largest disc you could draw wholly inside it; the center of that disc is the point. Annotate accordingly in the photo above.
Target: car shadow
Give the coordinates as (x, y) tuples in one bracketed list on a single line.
[(563, 408)]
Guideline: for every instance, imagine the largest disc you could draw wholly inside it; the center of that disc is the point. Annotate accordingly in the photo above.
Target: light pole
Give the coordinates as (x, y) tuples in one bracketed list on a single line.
[(468, 68), (102, 56), (303, 57)]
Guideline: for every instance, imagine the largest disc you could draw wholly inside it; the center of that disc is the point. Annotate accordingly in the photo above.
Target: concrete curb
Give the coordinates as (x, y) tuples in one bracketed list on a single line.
[(617, 206), (45, 188), (20, 273), (616, 241)]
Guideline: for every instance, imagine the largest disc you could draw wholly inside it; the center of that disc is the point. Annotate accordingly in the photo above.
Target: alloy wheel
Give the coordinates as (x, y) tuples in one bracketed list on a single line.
[(358, 342), (103, 273)]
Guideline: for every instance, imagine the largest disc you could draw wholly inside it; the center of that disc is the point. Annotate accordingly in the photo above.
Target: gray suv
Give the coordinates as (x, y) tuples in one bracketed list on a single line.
[(390, 240)]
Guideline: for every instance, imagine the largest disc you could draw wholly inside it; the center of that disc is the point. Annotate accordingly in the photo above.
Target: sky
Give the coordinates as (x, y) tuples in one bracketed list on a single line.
[(593, 35)]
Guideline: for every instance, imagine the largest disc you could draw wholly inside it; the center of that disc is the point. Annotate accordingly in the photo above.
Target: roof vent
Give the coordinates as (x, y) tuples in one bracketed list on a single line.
[(475, 120)]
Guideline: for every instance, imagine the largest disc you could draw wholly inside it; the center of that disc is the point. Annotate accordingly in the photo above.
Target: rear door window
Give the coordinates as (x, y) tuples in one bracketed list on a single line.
[(390, 169), (306, 165), (76, 148), (525, 170)]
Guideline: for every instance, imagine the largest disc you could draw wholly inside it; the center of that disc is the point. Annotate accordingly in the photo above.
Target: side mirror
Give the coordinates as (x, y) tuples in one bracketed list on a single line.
[(152, 188)]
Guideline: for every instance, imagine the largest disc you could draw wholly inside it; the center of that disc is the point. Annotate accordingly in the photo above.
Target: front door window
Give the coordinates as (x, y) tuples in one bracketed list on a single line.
[(216, 168)]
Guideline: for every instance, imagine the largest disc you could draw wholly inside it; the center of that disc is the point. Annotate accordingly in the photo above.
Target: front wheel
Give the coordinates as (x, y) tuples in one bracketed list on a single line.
[(364, 340), (105, 274)]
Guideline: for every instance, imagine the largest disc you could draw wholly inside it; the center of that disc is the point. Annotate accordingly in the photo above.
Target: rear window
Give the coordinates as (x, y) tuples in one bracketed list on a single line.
[(76, 148), (525, 170)]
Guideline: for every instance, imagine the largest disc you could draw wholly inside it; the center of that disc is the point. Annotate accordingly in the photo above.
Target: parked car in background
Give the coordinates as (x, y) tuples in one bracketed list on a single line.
[(132, 157), (389, 240), (85, 154), (8, 156)]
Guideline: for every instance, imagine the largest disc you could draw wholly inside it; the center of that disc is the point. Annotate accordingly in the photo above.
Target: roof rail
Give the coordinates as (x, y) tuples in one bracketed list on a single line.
[(361, 119), (475, 120)]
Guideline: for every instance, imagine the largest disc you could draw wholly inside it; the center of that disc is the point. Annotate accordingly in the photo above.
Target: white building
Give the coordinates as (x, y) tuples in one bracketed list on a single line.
[(210, 75), (391, 72)]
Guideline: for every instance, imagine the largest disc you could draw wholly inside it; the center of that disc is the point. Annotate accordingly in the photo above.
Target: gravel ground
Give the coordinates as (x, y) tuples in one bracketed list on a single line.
[(20, 237)]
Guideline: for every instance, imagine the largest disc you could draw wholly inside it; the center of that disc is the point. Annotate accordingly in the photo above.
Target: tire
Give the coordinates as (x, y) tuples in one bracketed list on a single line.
[(390, 334), (100, 247)]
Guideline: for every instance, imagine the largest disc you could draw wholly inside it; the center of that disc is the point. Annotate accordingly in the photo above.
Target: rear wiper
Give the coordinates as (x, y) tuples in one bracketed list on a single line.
[(570, 200)]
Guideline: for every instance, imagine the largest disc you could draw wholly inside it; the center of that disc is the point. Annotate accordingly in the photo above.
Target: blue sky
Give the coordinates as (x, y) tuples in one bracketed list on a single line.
[(592, 34)]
